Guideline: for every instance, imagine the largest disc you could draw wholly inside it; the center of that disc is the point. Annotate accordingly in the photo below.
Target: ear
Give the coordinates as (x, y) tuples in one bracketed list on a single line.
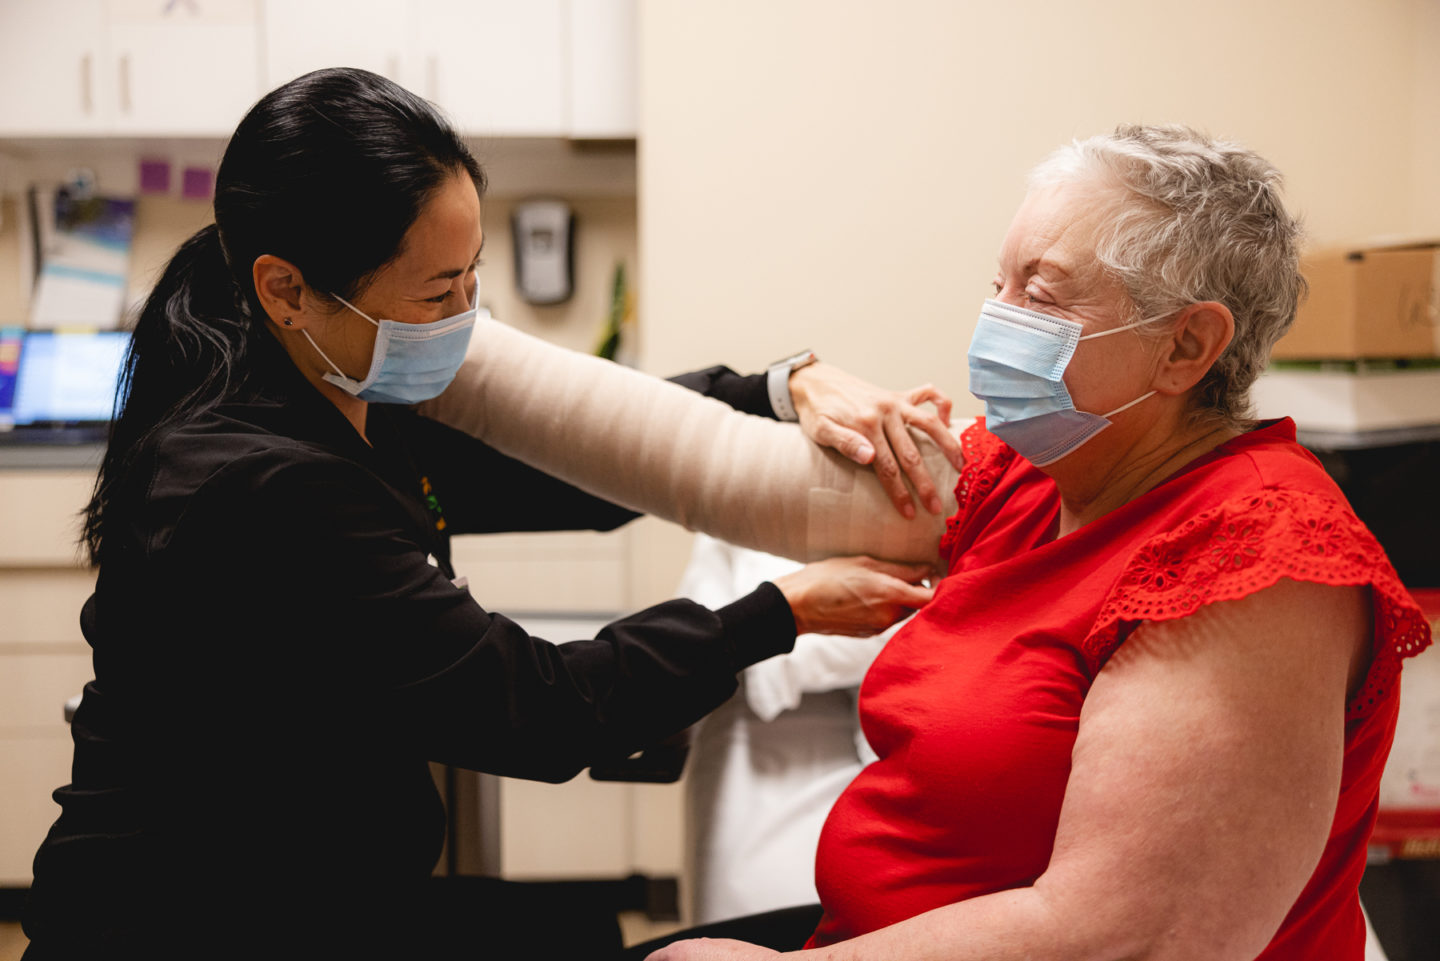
[(280, 287), (1201, 334)]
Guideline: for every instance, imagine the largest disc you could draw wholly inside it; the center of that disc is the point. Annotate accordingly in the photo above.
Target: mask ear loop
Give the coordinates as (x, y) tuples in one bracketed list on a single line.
[(1125, 407), (325, 356), (1115, 330)]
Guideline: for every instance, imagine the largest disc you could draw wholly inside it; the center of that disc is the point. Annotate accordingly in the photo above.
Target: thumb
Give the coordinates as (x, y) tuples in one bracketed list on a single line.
[(913, 595)]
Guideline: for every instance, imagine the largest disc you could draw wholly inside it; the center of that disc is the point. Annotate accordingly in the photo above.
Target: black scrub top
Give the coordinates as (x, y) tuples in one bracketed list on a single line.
[(279, 651)]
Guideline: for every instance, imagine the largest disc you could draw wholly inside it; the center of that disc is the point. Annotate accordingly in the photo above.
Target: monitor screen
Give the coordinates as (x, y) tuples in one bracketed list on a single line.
[(59, 378)]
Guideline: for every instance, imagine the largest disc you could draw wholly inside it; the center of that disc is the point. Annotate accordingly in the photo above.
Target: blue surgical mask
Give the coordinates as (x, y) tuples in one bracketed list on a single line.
[(411, 362), (1017, 365)]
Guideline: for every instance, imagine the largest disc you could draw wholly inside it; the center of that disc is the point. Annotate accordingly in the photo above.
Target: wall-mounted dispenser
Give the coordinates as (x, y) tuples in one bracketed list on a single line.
[(544, 236)]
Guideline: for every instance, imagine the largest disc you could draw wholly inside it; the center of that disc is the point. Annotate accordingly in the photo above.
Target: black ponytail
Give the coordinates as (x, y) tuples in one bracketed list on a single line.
[(187, 349), (327, 172)]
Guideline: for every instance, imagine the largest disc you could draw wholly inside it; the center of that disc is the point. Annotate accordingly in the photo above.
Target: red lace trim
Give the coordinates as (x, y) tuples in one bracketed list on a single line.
[(1246, 545), (986, 458)]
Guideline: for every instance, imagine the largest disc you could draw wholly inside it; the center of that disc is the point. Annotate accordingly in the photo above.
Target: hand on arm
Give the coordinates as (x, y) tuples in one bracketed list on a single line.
[(858, 596), (870, 425), (1201, 794)]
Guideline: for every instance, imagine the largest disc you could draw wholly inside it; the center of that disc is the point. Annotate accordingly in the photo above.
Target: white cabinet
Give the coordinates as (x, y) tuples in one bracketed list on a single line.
[(191, 68), (50, 56), (496, 66), (44, 660), (539, 68), (602, 38), (305, 35), (130, 67), (181, 67)]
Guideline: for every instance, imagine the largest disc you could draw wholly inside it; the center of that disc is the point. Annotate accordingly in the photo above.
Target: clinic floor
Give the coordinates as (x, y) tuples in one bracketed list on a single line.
[(635, 926), (1400, 897)]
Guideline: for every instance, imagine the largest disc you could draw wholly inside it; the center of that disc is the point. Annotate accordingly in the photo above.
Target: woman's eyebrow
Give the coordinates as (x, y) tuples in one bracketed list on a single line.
[(1051, 265), (1033, 266)]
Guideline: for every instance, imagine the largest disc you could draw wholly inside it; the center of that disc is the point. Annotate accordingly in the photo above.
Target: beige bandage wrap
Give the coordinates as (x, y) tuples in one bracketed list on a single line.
[(656, 447)]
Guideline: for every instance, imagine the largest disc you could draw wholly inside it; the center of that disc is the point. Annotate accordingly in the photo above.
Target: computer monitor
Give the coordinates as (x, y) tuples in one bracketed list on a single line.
[(58, 386)]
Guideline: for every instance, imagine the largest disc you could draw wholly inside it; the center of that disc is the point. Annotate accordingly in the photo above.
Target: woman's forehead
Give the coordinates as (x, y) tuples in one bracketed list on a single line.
[(445, 237), (1056, 226)]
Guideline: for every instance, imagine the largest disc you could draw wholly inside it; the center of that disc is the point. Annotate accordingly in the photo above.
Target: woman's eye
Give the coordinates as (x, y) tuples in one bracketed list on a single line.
[(439, 300), (998, 286)]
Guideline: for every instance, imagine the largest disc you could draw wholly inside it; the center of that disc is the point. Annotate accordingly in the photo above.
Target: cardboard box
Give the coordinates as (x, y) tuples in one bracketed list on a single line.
[(1378, 302)]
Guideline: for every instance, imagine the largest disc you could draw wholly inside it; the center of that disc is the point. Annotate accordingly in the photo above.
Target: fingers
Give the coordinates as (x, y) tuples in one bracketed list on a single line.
[(887, 471), (897, 459), (909, 573), (871, 426), (873, 437), (896, 600), (913, 596), (937, 431), (852, 444), (907, 455), (931, 394), (936, 425), (894, 591), (857, 596), (901, 585)]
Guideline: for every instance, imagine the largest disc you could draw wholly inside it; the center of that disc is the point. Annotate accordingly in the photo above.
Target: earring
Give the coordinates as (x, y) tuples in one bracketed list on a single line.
[(289, 322)]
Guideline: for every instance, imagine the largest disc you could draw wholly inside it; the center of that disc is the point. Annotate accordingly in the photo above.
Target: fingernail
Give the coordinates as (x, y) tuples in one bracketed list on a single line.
[(909, 511)]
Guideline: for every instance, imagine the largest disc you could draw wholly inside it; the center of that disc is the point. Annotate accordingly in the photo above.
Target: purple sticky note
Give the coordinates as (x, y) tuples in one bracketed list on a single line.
[(197, 183), (154, 176)]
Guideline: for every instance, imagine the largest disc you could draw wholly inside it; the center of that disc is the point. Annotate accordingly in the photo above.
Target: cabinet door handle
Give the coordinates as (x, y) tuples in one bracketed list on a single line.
[(432, 78), (125, 82), (87, 96), (392, 67)]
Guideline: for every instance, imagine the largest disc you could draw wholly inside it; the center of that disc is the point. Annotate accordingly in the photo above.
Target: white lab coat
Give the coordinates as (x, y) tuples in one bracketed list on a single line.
[(767, 765)]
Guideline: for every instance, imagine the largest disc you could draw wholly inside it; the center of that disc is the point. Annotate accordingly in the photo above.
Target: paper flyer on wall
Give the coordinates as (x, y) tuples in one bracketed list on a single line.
[(85, 262)]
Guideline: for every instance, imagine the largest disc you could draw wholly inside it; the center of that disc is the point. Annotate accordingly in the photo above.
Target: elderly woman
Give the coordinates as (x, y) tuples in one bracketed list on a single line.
[(1146, 713)]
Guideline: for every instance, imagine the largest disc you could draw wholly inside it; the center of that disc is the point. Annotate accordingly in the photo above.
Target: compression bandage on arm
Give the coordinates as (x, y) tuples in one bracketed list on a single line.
[(659, 448)]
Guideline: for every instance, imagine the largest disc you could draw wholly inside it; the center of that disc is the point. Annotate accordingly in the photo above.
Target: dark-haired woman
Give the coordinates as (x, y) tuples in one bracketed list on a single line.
[(280, 646)]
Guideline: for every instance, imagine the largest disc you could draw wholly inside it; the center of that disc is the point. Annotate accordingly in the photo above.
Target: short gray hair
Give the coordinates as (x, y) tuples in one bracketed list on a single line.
[(1202, 219)]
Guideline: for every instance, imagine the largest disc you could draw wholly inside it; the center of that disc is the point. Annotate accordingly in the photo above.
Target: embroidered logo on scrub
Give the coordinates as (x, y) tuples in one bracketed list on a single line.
[(433, 502)]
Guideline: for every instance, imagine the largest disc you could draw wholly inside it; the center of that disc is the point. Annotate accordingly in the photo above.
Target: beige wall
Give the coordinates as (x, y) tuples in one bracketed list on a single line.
[(1425, 172), (837, 174), (605, 235)]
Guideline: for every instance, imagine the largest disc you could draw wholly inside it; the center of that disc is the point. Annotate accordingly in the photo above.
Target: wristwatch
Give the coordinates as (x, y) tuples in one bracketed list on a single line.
[(777, 381)]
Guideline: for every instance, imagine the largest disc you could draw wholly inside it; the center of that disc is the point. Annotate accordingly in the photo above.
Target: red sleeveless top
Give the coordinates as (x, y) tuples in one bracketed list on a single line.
[(974, 707)]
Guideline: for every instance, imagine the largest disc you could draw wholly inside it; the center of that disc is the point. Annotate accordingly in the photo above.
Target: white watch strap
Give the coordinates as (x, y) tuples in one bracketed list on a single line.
[(777, 381)]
